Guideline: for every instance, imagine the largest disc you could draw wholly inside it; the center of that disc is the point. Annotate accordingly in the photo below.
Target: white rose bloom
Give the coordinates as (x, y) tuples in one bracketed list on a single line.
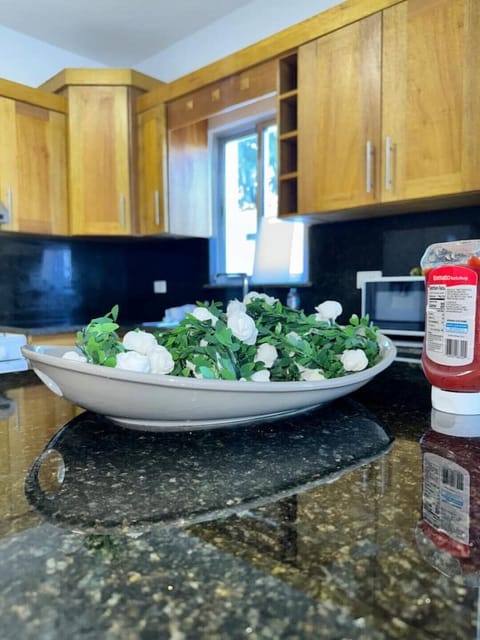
[(328, 310), (235, 306), (292, 337), (133, 361), (160, 360), (254, 294), (243, 327), (354, 360), (201, 313), (311, 374), (140, 341), (267, 354), (261, 376), (74, 355)]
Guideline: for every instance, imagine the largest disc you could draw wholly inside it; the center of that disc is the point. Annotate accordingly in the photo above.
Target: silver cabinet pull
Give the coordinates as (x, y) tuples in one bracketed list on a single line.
[(157, 207), (388, 163), (10, 201), (368, 166), (122, 216)]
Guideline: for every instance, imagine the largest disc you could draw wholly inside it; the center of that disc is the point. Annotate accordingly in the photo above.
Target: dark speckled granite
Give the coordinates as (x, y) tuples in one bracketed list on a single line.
[(304, 529)]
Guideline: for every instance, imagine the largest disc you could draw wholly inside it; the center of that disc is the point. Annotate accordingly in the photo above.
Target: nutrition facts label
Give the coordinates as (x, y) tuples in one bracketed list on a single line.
[(450, 315)]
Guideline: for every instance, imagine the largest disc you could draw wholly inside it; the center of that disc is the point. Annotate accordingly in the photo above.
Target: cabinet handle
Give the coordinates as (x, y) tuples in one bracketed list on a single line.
[(10, 201), (157, 207), (122, 210), (368, 166), (388, 163)]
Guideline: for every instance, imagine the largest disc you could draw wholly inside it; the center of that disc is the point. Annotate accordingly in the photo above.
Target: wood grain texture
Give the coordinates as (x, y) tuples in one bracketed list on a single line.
[(430, 99), (30, 95), (152, 171), (339, 84), (188, 186), (33, 167), (99, 160), (113, 77)]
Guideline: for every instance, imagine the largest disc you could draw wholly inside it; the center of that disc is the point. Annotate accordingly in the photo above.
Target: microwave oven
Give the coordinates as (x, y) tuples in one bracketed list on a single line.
[(396, 305)]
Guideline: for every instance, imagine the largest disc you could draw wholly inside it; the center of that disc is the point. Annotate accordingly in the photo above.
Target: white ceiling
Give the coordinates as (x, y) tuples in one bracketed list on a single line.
[(117, 33)]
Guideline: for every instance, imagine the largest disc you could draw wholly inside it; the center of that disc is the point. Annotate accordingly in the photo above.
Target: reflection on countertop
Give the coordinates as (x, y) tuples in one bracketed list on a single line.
[(303, 528)]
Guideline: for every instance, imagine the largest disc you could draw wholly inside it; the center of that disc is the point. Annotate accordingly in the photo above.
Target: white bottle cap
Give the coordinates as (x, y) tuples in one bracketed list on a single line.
[(456, 402), (451, 424)]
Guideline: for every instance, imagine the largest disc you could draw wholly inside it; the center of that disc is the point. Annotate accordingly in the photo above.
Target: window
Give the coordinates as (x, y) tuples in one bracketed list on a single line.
[(244, 163)]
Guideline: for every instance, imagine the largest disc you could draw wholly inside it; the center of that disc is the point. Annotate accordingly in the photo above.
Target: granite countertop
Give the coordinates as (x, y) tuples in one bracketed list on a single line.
[(309, 527)]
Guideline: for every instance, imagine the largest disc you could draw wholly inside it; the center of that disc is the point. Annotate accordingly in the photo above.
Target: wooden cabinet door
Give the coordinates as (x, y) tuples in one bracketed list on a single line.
[(188, 184), (152, 171), (339, 98), (431, 98), (33, 168), (100, 154)]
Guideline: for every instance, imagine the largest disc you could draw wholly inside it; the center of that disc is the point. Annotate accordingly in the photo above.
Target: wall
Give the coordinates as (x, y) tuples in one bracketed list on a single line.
[(30, 61), (245, 26), (67, 281)]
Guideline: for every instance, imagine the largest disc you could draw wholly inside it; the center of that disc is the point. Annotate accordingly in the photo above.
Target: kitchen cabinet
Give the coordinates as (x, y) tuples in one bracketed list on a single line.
[(339, 92), (388, 111), (102, 147), (188, 180), (431, 99), (33, 169), (152, 171)]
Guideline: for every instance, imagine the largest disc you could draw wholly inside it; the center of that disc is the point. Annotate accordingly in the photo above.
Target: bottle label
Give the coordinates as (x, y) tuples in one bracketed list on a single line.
[(446, 497), (450, 315)]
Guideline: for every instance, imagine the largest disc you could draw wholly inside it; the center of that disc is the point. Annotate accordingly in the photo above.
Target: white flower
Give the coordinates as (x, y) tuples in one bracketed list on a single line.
[(243, 327), (235, 306), (202, 314), (133, 361), (267, 354), (254, 294), (311, 374), (74, 355), (261, 376), (293, 338), (354, 360), (328, 310), (140, 341), (160, 360)]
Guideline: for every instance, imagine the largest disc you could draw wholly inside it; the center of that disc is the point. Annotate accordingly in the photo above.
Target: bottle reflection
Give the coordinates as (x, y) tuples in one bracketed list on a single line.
[(448, 534)]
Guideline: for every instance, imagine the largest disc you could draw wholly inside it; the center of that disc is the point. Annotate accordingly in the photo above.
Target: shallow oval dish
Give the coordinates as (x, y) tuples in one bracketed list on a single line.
[(152, 402)]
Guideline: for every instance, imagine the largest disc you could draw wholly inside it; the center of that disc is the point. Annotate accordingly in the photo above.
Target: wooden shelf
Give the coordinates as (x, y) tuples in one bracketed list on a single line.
[(287, 103)]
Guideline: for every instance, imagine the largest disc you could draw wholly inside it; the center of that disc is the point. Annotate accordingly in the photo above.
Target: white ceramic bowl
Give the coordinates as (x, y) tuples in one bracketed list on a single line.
[(155, 402)]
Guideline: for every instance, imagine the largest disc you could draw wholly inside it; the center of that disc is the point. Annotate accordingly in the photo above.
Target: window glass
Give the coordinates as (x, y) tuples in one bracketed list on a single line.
[(245, 192)]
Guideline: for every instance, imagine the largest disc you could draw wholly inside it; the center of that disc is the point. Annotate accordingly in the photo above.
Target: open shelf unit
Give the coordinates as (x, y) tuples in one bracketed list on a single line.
[(287, 134)]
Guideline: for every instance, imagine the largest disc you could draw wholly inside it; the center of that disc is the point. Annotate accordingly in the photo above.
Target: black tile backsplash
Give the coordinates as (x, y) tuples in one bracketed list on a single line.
[(393, 245), (48, 281)]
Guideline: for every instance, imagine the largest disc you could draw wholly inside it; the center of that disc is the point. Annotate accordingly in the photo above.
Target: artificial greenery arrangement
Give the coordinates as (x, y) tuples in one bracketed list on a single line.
[(256, 339)]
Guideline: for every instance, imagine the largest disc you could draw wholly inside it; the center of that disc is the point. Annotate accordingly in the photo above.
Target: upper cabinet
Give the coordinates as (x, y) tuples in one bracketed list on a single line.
[(431, 99), (152, 171), (102, 147), (33, 168), (388, 110), (339, 91)]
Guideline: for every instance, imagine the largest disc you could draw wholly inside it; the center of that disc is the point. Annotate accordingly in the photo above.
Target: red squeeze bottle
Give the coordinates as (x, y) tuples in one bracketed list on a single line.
[(451, 349)]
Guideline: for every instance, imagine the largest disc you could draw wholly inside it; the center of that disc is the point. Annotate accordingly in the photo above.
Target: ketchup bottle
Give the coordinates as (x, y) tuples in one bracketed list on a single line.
[(451, 494), (451, 349)]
